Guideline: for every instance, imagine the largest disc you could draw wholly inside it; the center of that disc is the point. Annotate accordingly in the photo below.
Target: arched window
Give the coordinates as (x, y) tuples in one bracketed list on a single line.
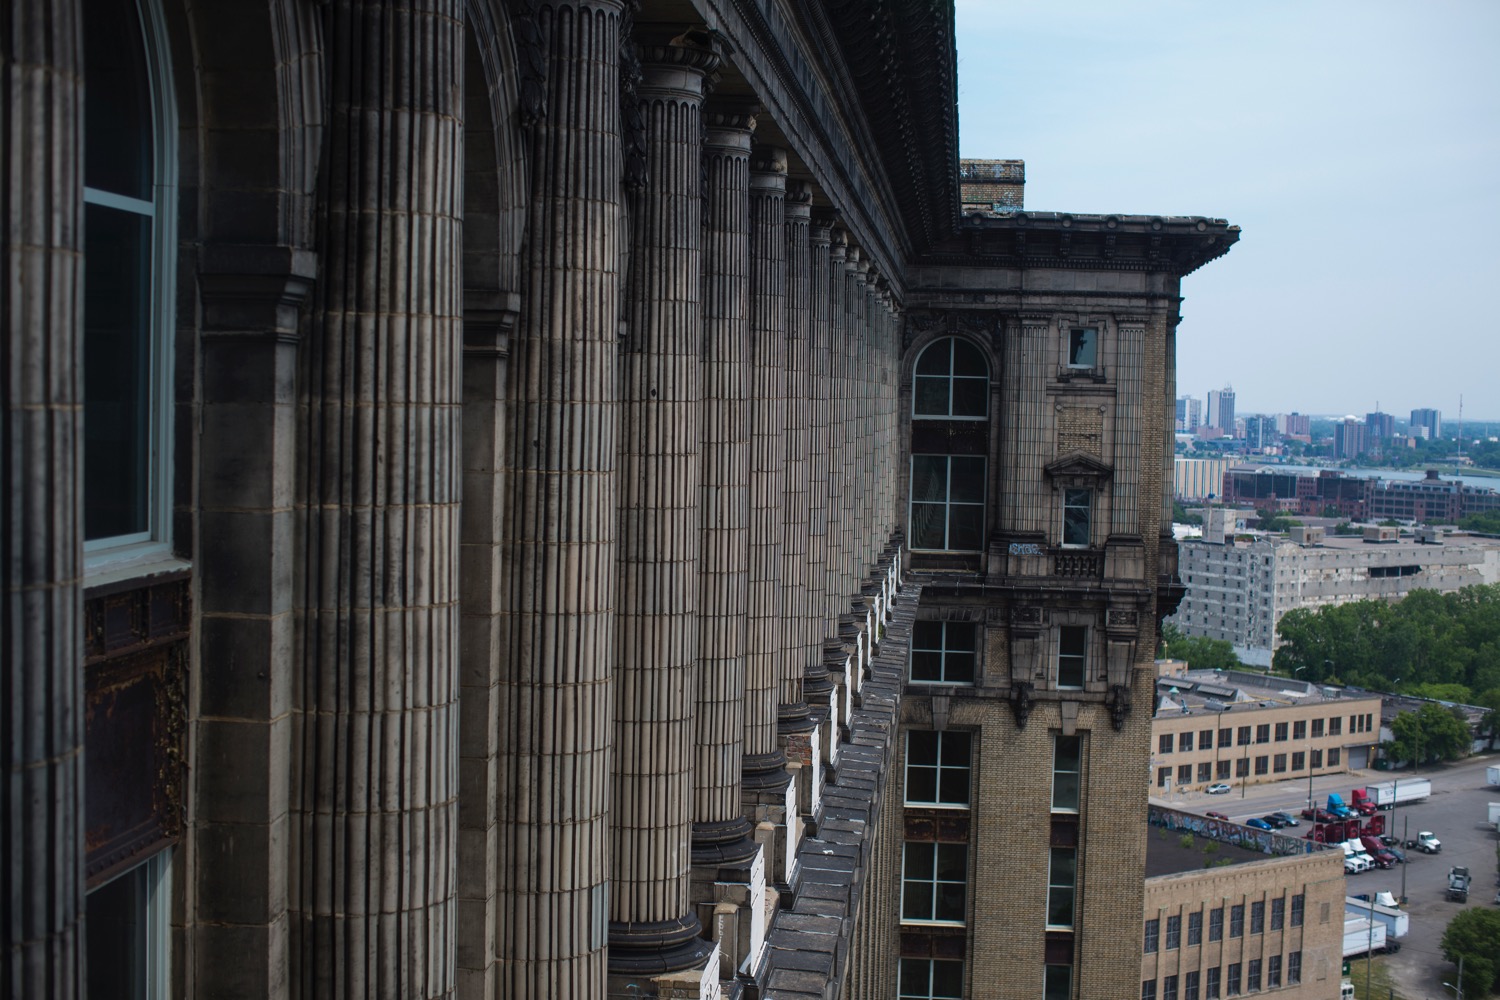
[(129, 230), (952, 382)]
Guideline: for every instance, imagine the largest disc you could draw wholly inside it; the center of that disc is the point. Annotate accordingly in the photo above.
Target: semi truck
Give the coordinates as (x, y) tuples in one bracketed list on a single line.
[(1396, 920), (1390, 794), (1361, 935), (1458, 884)]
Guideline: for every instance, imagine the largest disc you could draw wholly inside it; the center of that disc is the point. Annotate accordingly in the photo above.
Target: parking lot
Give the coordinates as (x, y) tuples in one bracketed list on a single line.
[(1456, 812)]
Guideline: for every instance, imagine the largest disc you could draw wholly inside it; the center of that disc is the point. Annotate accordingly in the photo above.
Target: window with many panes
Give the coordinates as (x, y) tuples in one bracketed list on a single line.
[(1184, 742), (930, 979), (1164, 743), (1062, 879), (1211, 983), (937, 768), (1299, 761), (1298, 903), (1278, 763), (1263, 733), (1273, 972), (1148, 989), (1205, 771), (1299, 729), (1226, 736), (1195, 928), (1169, 988), (1252, 975), (1067, 765), (1221, 770), (1317, 728), (1242, 768), (951, 382), (1163, 775), (1244, 736), (1317, 759), (1072, 655), (129, 198), (1206, 739), (1078, 516), (1278, 913), (1293, 968), (1232, 979), (1184, 774), (1153, 935), (1190, 985), (1281, 732), (947, 502), (1237, 920), (1258, 917), (934, 882), (1336, 726), (943, 652), (1216, 924), (1174, 932), (1262, 765), (1333, 757)]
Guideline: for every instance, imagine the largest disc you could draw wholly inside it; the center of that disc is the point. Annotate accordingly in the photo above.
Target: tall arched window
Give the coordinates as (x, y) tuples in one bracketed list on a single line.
[(129, 187), (949, 447), (952, 382)]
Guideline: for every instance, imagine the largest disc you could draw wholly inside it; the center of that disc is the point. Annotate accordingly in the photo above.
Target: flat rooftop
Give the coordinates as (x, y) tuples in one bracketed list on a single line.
[(1166, 855), (1240, 690)]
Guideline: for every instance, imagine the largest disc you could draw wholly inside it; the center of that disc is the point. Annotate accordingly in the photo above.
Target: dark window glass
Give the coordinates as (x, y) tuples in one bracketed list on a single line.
[(1263, 733), (1232, 979), (1174, 932), (1164, 743), (1211, 984), (1190, 986), (1169, 988), (1162, 774), (1205, 771), (1072, 655), (1317, 728), (118, 123), (1226, 737), (1298, 902), (1078, 507), (1195, 927), (1293, 968), (1058, 984), (1184, 774), (1252, 975), (1258, 917), (1083, 347), (1278, 913), (1153, 931), (1281, 732), (1273, 972), (934, 881), (1184, 742), (1278, 763), (937, 767), (943, 652), (930, 979), (1242, 768), (1237, 920), (117, 951), (1216, 924), (1299, 729), (1262, 765), (1244, 736), (1067, 763), (1060, 885), (1148, 989), (1222, 770), (947, 502), (951, 380)]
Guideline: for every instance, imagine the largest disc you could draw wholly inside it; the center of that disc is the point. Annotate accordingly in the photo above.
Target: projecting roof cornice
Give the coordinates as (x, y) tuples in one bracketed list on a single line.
[(1179, 244)]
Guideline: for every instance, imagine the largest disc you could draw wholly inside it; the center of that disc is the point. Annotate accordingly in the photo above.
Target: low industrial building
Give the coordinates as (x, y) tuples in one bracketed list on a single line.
[(1244, 728), (1238, 590), (1248, 922)]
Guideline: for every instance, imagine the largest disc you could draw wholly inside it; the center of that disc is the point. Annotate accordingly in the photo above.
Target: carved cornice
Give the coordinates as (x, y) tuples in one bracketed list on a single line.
[(1178, 245)]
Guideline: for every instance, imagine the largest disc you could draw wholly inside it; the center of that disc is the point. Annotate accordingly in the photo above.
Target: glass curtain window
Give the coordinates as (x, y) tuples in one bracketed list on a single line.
[(947, 502), (934, 882), (937, 768), (930, 979), (1078, 509), (1067, 763), (943, 652), (1072, 655), (952, 381), (1062, 879)]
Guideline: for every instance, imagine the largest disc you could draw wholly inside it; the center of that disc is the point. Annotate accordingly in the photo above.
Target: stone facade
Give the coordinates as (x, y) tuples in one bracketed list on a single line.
[(458, 463)]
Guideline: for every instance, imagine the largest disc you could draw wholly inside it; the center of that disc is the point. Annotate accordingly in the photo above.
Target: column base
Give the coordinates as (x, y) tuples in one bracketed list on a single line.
[(793, 718), (654, 947), (724, 843), (765, 772)]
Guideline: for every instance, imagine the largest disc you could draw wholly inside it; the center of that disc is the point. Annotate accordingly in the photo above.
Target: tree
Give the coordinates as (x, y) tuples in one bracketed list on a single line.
[(1474, 935), (1429, 734), (1489, 726), (1199, 652), (1180, 515)]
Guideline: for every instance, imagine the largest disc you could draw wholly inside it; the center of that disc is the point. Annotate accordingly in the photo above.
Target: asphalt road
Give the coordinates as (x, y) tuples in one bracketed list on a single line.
[(1456, 812)]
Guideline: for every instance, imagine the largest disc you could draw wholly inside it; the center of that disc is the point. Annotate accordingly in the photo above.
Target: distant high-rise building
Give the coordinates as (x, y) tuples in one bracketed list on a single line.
[(1221, 409), (1379, 428), (1294, 424), (1348, 438), (1260, 432), (1189, 414), (1432, 420)]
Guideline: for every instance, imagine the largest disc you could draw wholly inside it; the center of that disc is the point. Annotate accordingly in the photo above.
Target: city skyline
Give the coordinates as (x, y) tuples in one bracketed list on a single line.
[(1148, 108)]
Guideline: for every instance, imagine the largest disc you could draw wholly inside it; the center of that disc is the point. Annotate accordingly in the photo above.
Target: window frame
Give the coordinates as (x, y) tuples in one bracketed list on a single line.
[(155, 931), (1173, 935), (932, 964), (943, 653), (1294, 968), (1152, 942), (137, 550), (938, 769), (949, 378), (1077, 336), (1077, 805), (1258, 917), (1081, 633), (947, 502), (933, 883), (1195, 928), (1216, 924), (1069, 495), (1055, 888)]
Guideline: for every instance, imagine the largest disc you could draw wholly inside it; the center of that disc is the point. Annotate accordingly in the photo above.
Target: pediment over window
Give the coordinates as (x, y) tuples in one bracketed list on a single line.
[(1078, 468)]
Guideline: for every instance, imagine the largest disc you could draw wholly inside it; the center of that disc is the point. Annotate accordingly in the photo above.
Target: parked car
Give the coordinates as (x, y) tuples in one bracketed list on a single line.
[(1258, 823), (1216, 815), (1287, 819), (1319, 816), (1274, 821), (1219, 789)]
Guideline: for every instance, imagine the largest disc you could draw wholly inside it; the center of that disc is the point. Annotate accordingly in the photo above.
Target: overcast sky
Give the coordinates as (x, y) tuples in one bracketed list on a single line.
[(1355, 142)]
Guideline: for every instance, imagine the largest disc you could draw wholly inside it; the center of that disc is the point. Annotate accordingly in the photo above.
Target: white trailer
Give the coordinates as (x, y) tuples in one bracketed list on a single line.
[(1396, 922), (1399, 792), (1495, 815), (1492, 775), (1362, 935)]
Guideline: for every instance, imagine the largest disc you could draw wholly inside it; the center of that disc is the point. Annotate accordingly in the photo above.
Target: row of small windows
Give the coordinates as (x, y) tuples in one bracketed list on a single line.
[(1262, 733), (946, 652), (1264, 764), (1156, 940), (1217, 983)]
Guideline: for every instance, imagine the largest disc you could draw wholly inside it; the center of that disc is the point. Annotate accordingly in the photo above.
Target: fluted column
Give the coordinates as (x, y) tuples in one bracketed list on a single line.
[(853, 456), (799, 644), (374, 835), (652, 928), (764, 761), (836, 594), (820, 333), (1125, 508), (559, 560), (41, 655), (1026, 441), (720, 828)]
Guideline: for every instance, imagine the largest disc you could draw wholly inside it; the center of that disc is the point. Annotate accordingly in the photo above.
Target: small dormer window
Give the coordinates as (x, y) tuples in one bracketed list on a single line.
[(1083, 347)]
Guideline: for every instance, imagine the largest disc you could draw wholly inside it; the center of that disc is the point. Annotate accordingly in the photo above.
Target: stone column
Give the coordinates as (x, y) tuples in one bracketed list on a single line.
[(375, 825), (764, 761), (799, 643), (652, 927), (1027, 441), (41, 401), (557, 629), (835, 592), (720, 829), (820, 332), (1125, 510), (853, 455)]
